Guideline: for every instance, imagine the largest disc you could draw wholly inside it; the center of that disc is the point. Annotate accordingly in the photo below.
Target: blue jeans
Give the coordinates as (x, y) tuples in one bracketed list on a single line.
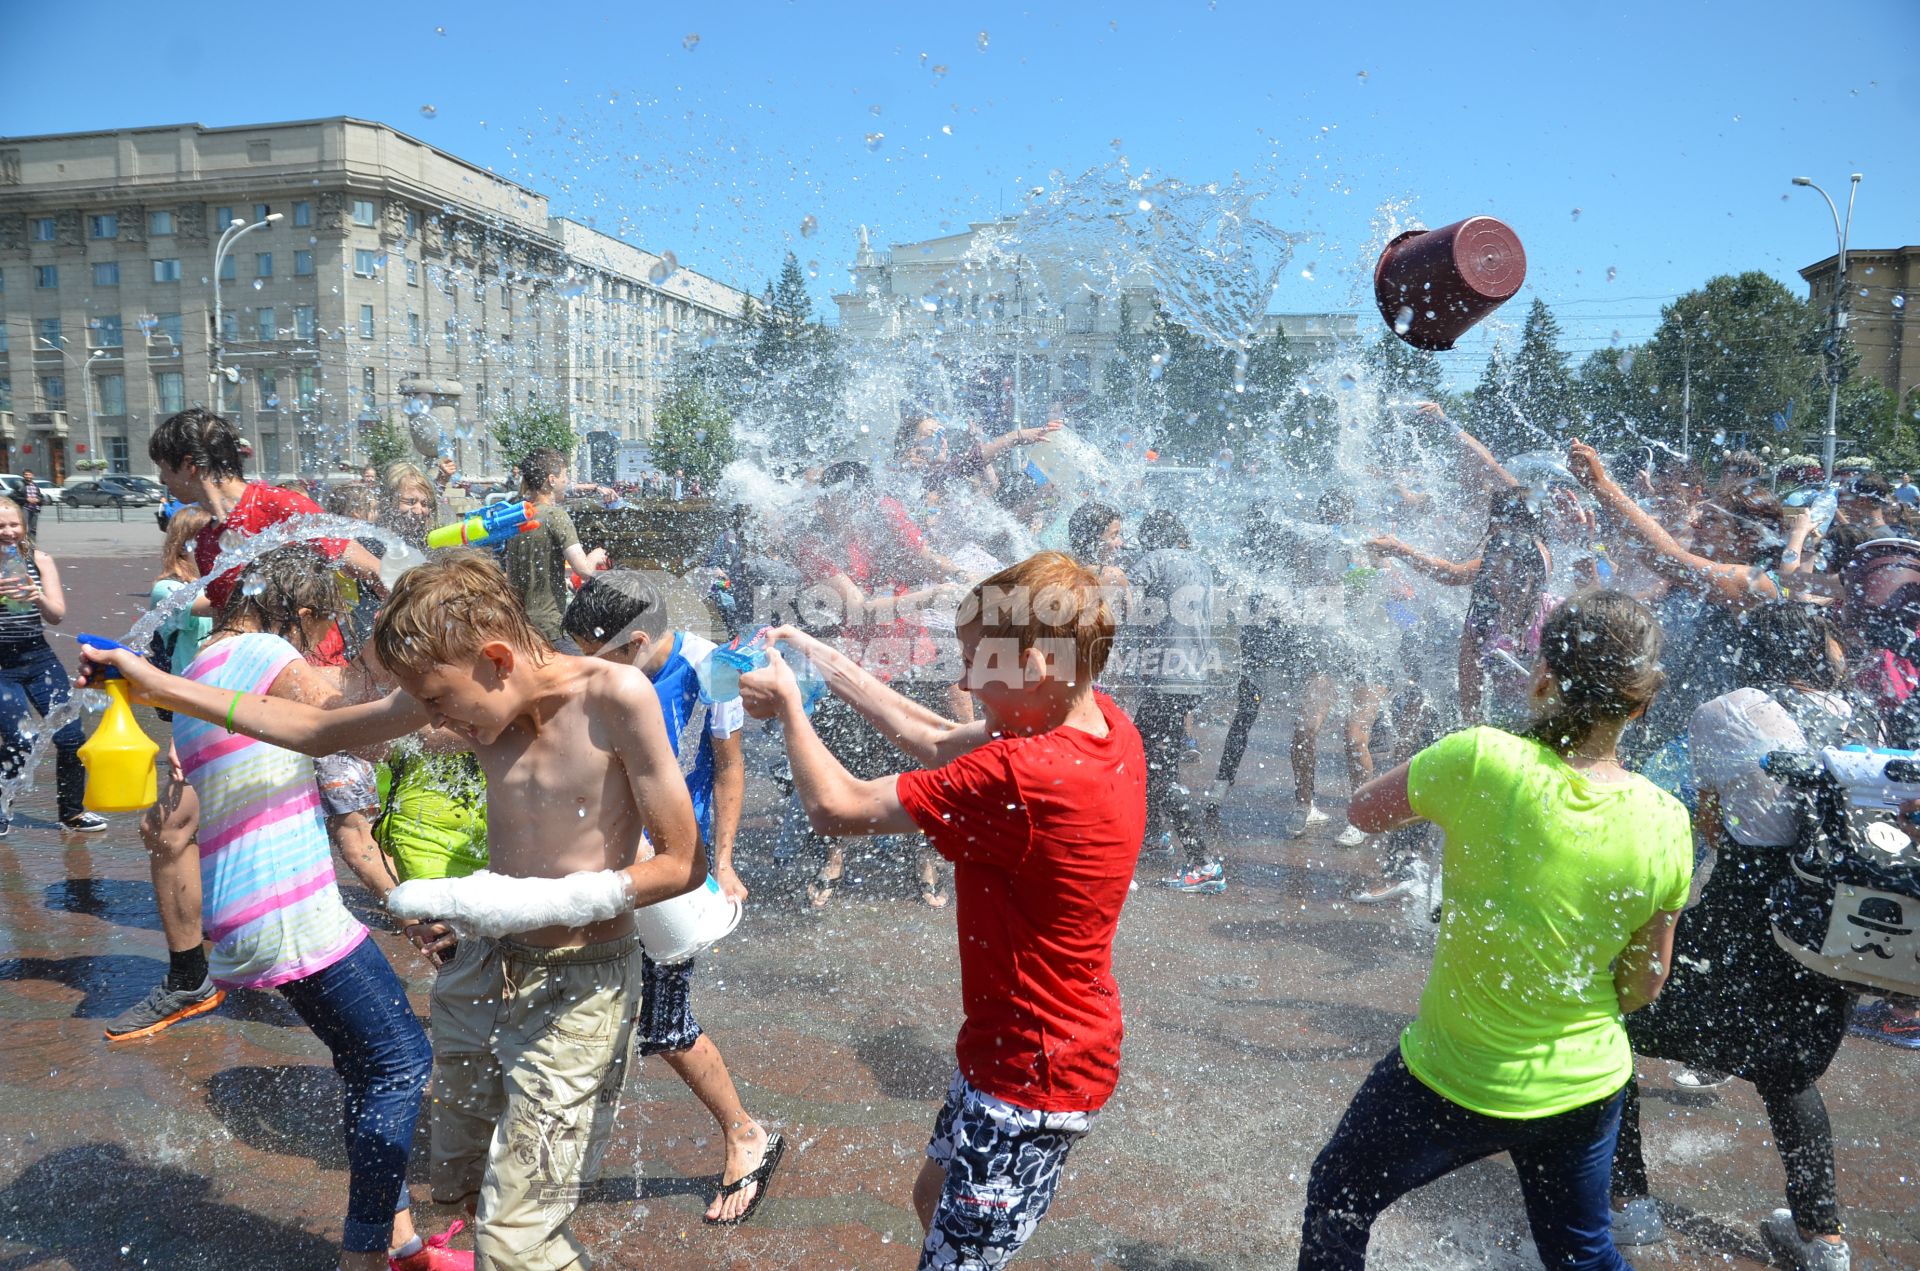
[(1398, 1134), (32, 677), (358, 1007)]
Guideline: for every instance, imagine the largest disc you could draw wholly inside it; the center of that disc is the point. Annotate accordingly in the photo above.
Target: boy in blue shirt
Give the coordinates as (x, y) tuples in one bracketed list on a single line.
[(621, 616)]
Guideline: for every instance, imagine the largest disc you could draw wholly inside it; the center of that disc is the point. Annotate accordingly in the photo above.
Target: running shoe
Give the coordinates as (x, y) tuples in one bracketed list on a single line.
[(1304, 817), (434, 1255), (84, 823), (1803, 1255), (1700, 1078), (1638, 1223), (1879, 1023), (163, 1008), (1352, 836), (1206, 879), (1191, 752)]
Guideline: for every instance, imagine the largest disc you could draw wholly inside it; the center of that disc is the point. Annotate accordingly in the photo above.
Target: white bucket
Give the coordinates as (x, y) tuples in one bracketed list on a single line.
[(675, 930)]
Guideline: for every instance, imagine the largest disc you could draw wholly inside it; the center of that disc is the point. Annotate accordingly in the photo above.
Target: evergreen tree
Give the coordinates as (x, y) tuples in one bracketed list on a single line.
[(1399, 373), (1540, 387), (693, 432), (537, 425), (386, 442)]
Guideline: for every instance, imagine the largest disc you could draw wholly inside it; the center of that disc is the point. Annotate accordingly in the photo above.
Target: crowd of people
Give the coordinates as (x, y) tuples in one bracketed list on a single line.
[(1577, 759)]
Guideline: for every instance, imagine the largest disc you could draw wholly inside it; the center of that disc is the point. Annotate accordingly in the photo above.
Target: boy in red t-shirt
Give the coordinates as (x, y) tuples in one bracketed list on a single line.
[(1040, 805)]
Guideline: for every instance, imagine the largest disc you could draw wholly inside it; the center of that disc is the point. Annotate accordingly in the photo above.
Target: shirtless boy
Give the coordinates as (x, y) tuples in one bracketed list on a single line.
[(534, 1012)]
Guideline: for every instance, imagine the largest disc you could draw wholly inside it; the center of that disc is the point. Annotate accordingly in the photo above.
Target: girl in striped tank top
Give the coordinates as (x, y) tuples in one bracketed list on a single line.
[(272, 908), (31, 677)]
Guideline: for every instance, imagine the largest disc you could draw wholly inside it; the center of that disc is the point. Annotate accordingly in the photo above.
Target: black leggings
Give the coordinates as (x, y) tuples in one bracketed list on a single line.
[(1246, 709), (1162, 721), (1798, 1117)]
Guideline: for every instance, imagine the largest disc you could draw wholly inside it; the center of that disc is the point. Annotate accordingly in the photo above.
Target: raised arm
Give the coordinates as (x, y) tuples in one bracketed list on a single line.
[(1441, 570), (638, 733), (991, 450), (922, 734), (837, 803), (292, 725)]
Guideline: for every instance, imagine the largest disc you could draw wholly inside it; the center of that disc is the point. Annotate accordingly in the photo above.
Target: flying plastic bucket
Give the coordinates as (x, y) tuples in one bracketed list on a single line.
[(1434, 285), (686, 926)]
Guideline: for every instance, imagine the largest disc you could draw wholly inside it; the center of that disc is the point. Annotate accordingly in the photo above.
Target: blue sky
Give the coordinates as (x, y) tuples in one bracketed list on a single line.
[(1672, 127)]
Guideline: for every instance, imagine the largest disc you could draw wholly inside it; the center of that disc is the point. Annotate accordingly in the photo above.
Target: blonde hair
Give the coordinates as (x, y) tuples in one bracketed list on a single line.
[(1048, 601), (398, 475), (442, 612), (176, 554)]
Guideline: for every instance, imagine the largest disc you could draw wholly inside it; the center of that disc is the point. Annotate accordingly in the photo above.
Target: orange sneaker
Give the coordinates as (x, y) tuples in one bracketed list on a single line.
[(434, 1254)]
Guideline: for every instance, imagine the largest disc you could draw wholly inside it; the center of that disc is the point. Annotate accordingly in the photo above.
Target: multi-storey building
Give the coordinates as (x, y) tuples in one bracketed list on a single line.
[(1881, 281), (1043, 327), (313, 279)]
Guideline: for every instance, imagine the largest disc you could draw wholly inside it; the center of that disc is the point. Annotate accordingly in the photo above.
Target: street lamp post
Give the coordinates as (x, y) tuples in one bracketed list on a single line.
[(228, 237), (1838, 317), (84, 368)]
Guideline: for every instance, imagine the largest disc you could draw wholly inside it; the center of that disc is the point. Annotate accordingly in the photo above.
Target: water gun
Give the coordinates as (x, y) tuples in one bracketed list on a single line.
[(487, 526), (119, 757)]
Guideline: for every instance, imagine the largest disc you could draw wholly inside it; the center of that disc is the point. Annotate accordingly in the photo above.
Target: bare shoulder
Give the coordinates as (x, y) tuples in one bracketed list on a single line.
[(615, 693)]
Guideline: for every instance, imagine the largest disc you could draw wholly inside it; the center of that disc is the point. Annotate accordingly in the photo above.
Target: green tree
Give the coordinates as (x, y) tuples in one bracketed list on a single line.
[(1540, 387), (386, 443), (1745, 347), (1616, 397), (798, 377), (1399, 373), (693, 432), (537, 425)]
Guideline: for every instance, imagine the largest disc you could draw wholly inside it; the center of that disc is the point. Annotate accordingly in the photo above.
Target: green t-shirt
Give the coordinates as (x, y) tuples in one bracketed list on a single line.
[(1547, 875), (537, 568)]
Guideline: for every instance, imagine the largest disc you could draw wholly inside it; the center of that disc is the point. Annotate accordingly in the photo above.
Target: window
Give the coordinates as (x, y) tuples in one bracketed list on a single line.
[(364, 263), (159, 224), (413, 328), (110, 394), (303, 322), (166, 271), (268, 328), (269, 390), (3, 339), (223, 217), (106, 273), (229, 269), (229, 326), (261, 211), (43, 229), (366, 322), (169, 326), (302, 212), (306, 388), (6, 392), (367, 393), (506, 299), (106, 225), (170, 390), (413, 221), (453, 336), (3, 282), (53, 391), (117, 451), (49, 334), (303, 264), (413, 273), (107, 332), (229, 396), (263, 264), (46, 277), (363, 211)]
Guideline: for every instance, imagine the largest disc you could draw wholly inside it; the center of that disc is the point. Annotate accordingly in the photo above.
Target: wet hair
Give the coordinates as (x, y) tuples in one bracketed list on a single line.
[(353, 498), (442, 612), (198, 436), (1603, 649), (539, 468), (1870, 486), (1754, 510), (177, 560), (1161, 528), (1048, 601), (1084, 528), (278, 585), (1785, 642), (1743, 465), (1335, 506), (615, 604), (19, 505), (848, 473)]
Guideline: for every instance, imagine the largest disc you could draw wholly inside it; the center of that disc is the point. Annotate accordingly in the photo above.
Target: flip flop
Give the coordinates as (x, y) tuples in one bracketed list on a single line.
[(820, 890), (776, 1147)]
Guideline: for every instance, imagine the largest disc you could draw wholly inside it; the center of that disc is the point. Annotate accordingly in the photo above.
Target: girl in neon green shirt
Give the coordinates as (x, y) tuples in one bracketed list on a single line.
[(1564, 875)]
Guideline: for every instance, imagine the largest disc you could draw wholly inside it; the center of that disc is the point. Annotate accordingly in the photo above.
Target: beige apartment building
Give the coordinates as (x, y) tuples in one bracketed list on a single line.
[(366, 276), (1881, 283)]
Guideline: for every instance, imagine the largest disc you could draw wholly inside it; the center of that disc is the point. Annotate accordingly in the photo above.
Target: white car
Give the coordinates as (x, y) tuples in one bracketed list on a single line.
[(49, 492)]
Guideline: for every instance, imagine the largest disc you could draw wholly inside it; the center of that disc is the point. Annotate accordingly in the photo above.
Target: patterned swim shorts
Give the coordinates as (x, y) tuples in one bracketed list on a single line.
[(667, 1025), (1003, 1163)]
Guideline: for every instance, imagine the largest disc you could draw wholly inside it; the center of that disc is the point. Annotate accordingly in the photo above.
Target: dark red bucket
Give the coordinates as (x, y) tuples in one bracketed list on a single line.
[(1433, 285)]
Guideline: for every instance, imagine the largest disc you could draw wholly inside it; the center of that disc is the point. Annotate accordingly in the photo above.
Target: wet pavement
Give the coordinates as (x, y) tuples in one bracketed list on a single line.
[(1252, 1017)]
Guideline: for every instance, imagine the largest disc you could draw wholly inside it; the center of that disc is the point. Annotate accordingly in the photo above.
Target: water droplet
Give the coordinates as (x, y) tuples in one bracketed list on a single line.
[(808, 226), (1863, 292), (663, 269), (1403, 320), (257, 284), (947, 128), (692, 41), (981, 40), (1899, 302), (1145, 205), (582, 812), (1612, 273), (1306, 272), (813, 269), (1348, 381), (1361, 76), (874, 110), (940, 71), (429, 112), (931, 302), (874, 139), (1576, 213)]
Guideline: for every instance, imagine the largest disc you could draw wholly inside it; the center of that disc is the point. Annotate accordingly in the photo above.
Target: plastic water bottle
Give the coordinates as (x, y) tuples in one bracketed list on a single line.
[(813, 685), (13, 572), (719, 673)]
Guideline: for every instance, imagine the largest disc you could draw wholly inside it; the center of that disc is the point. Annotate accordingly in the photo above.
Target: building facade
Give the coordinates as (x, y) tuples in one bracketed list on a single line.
[(1049, 325), (311, 279), (1881, 283)]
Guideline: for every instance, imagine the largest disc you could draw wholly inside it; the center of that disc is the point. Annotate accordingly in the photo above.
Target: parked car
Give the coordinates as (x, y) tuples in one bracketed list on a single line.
[(152, 488), (49, 492), (15, 487), (106, 494)]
